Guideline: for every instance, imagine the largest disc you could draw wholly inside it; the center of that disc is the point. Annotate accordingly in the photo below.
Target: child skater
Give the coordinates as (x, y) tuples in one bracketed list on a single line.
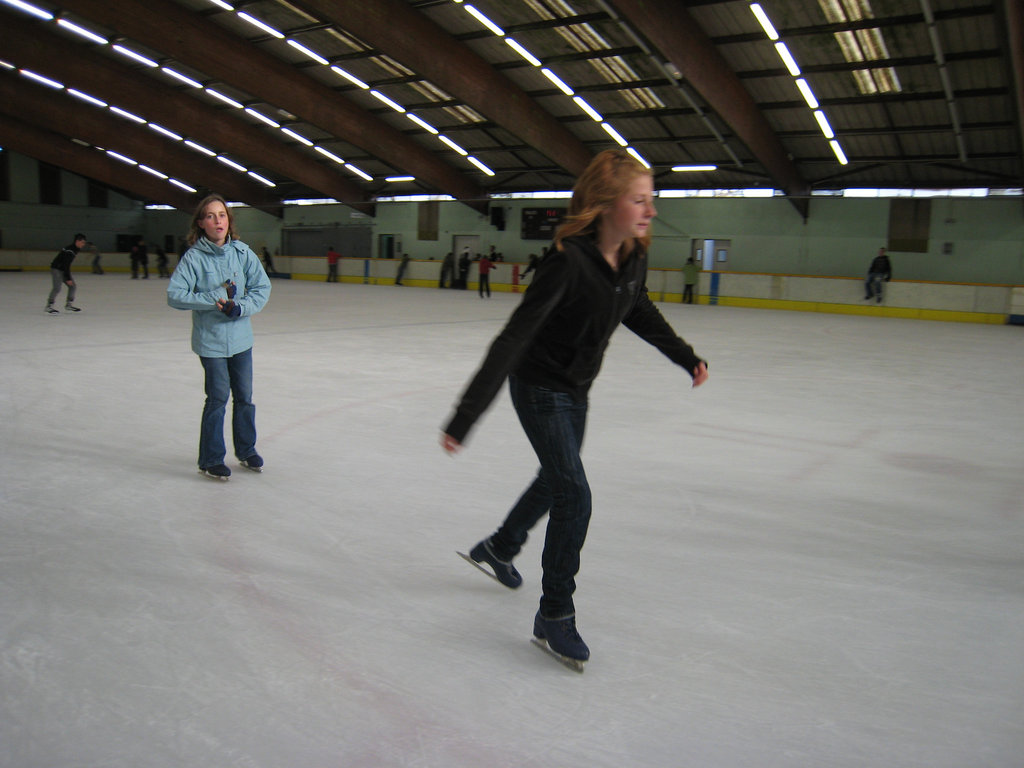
[(550, 350), (222, 281)]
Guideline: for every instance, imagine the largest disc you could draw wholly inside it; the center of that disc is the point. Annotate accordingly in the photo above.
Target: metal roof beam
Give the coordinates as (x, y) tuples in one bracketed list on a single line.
[(52, 148), (390, 25), (682, 42), (32, 45), (195, 41), (42, 107)]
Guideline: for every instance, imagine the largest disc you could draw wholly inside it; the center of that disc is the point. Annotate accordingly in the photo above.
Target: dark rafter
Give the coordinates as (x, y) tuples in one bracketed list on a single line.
[(683, 43), (34, 46), (191, 39), (37, 105), (52, 148), (389, 25)]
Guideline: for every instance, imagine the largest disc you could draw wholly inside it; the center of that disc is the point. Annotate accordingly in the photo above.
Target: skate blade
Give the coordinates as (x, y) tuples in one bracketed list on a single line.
[(214, 477), (477, 565), (574, 664), (251, 469)]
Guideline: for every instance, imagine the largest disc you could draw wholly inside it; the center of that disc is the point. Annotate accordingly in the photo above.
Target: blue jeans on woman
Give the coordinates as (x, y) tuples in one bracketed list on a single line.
[(554, 423), (227, 376)]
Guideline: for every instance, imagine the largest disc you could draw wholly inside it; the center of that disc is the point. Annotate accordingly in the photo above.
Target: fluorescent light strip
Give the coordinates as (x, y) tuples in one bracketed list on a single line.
[(262, 117), (38, 12), (395, 179), (153, 171), (133, 55), (593, 113), (764, 21), (87, 97), (183, 185), (452, 144), (257, 23), (614, 134), (200, 148), (298, 137), (183, 78), (120, 157), (82, 31), (165, 132), (522, 51), (225, 99), (638, 157), (312, 54), (358, 172), (805, 91), (787, 59), (826, 129), (222, 4), (422, 123), (472, 11), (693, 168), (232, 164), (40, 79), (381, 97), (480, 165), (838, 150), (328, 153), (123, 113), (351, 78), (557, 81), (262, 179)]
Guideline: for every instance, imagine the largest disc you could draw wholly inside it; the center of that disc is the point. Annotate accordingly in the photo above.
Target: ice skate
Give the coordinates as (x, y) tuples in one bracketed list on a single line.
[(499, 570), (559, 638), (254, 463), (71, 308), (51, 310), (216, 472)]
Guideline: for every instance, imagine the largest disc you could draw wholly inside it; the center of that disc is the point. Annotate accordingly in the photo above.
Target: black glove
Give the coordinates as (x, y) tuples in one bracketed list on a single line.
[(231, 309), (230, 286)]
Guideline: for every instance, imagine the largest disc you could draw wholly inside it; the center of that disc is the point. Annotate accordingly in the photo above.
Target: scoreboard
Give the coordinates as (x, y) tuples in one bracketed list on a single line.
[(541, 223)]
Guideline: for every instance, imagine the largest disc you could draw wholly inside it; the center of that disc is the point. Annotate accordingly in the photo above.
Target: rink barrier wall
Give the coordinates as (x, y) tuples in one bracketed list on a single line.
[(952, 302)]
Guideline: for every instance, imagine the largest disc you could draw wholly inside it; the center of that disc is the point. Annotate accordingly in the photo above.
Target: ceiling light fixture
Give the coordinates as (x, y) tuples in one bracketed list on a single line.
[(522, 51), (38, 12), (350, 77), (82, 31), (260, 25), (693, 168), (40, 79), (87, 97), (472, 11), (183, 78), (133, 55), (298, 137)]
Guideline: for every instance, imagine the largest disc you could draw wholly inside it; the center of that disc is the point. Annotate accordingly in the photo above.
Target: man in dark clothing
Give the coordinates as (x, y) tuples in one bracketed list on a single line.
[(879, 270), (60, 271)]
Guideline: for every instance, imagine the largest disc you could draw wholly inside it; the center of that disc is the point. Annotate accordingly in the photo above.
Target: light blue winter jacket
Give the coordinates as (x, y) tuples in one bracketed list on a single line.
[(197, 283)]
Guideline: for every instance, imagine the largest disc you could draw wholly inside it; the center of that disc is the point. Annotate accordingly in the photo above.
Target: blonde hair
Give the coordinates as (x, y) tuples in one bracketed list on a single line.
[(195, 231), (606, 178)]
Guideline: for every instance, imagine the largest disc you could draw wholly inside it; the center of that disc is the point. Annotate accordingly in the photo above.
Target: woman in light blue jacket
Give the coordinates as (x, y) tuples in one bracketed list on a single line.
[(223, 283)]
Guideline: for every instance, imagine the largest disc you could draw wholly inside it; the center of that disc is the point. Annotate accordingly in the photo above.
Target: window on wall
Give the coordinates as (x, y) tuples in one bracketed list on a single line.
[(97, 195), (909, 223), (49, 184), (428, 216)]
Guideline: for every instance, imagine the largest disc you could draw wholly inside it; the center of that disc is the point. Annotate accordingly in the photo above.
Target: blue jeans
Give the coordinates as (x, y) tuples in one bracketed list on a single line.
[(873, 285), (224, 376), (554, 423)]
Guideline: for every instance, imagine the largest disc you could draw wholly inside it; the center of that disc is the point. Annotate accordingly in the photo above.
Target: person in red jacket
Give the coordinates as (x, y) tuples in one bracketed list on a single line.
[(550, 350), (332, 264), (486, 265)]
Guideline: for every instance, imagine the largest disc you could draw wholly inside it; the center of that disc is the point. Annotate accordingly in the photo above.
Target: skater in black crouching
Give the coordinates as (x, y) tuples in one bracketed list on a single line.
[(60, 272), (551, 350)]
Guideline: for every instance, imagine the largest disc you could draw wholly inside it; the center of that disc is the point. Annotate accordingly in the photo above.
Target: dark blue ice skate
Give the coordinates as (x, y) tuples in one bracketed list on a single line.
[(560, 638), (500, 570)]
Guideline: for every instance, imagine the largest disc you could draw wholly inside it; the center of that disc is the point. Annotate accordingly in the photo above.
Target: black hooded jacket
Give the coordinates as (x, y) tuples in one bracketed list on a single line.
[(557, 336), (62, 260)]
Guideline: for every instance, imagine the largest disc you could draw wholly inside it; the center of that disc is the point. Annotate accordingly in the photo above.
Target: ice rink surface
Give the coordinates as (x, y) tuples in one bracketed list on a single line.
[(817, 559)]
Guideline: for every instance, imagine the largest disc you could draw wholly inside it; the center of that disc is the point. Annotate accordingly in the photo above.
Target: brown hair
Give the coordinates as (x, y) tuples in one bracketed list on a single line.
[(195, 231), (606, 178)]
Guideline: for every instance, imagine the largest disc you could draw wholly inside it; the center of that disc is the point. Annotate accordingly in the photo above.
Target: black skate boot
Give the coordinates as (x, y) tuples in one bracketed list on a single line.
[(504, 572), (216, 471), (560, 638), (254, 462)]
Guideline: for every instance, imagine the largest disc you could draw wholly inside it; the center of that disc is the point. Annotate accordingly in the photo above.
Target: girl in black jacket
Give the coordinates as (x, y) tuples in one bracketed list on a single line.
[(550, 351)]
